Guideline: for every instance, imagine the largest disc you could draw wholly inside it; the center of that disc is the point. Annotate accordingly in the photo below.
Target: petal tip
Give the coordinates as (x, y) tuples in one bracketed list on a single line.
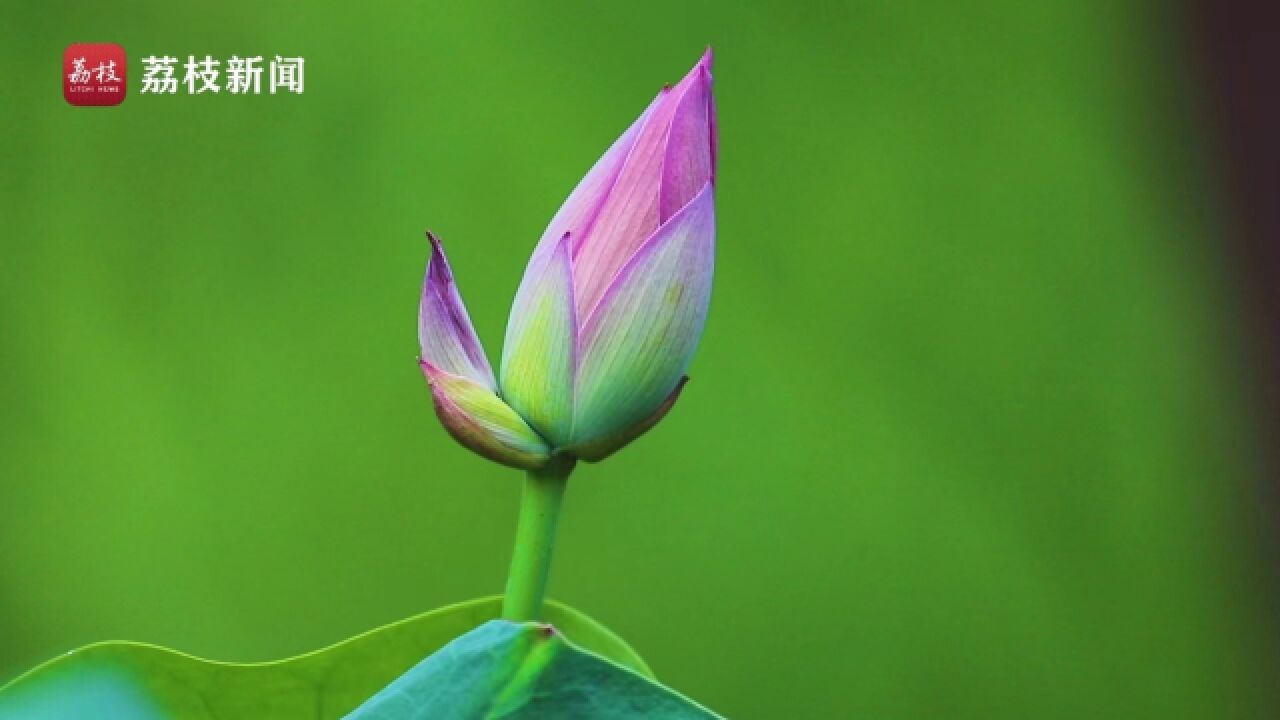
[(445, 333), (437, 265)]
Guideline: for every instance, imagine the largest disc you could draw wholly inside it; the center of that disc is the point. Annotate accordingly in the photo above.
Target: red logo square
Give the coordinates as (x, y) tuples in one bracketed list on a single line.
[(94, 74)]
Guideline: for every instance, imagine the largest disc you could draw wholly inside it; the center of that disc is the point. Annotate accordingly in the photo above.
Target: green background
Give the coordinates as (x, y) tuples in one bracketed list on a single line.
[(966, 436)]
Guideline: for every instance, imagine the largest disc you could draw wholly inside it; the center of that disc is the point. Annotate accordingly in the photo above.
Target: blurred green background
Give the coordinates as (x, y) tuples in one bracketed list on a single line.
[(964, 439)]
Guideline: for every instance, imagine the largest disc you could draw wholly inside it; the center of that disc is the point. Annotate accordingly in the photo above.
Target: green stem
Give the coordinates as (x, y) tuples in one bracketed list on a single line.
[(535, 540)]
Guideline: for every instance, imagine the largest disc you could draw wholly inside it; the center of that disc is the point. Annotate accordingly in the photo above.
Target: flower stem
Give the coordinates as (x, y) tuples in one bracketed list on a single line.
[(535, 540)]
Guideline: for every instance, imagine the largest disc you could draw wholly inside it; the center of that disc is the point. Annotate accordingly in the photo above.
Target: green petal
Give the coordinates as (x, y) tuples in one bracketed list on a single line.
[(603, 447), (538, 355), (480, 421)]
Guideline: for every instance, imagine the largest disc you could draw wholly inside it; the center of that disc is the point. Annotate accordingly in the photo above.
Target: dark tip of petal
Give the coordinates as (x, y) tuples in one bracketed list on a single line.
[(708, 58), (676, 392), (565, 242), (438, 267), (666, 87)]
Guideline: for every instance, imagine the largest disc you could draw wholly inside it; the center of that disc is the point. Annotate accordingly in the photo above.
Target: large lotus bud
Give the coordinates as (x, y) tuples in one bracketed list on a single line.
[(611, 306)]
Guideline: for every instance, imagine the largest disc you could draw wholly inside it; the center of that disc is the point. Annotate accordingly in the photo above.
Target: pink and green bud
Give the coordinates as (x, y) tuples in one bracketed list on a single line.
[(611, 307)]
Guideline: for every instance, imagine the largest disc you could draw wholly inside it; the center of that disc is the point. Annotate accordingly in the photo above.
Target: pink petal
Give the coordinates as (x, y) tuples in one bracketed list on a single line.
[(445, 333), (631, 212), (576, 216), (689, 161)]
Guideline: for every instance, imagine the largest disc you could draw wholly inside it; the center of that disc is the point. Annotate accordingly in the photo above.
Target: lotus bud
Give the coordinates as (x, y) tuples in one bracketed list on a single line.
[(611, 307)]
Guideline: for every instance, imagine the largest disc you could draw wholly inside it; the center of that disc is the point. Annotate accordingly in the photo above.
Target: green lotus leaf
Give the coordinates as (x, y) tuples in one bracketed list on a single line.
[(525, 671), (134, 681)]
